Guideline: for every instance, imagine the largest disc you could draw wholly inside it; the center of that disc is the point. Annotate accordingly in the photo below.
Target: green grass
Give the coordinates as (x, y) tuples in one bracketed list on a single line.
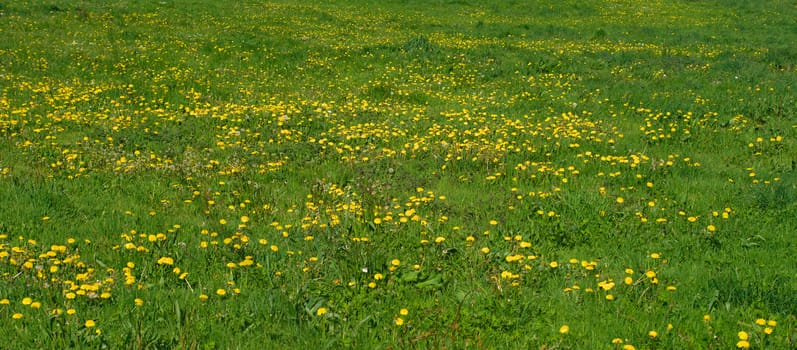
[(398, 174)]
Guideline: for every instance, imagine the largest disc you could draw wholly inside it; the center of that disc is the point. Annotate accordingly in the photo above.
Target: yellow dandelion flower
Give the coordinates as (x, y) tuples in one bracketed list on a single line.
[(395, 262), (554, 264), (564, 329), (90, 323), (743, 335), (768, 330), (743, 344), (165, 261), (620, 200), (321, 311), (404, 312), (221, 292), (399, 321), (138, 301), (16, 316), (653, 334)]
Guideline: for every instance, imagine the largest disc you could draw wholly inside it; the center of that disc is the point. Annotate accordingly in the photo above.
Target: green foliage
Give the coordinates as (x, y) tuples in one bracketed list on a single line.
[(398, 174)]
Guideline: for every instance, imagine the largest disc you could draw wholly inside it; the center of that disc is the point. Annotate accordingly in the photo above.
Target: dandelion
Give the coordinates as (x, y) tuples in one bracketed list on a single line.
[(321, 311), (165, 261), (16, 316), (440, 239), (564, 329), (620, 200), (554, 264), (399, 321), (653, 334), (768, 330), (711, 228), (404, 312), (395, 262), (485, 250), (203, 297), (221, 292), (743, 344), (90, 323)]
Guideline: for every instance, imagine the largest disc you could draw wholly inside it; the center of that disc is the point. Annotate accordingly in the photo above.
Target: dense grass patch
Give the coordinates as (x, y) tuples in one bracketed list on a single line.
[(398, 174)]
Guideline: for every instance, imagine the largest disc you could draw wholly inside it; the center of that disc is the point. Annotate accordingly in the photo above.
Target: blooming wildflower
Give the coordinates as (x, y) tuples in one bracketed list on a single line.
[(743, 344), (221, 292), (138, 301), (165, 261), (395, 262), (404, 312), (564, 329), (768, 330), (711, 228), (16, 316), (90, 323), (399, 321), (653, 334), (321, 311)]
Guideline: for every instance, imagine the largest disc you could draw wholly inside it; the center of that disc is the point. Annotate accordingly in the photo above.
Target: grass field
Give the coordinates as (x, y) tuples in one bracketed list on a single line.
[(398, 174)]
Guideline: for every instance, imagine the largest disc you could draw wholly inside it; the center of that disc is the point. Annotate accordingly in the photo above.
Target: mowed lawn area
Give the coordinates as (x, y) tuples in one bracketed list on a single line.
[(398, 174)]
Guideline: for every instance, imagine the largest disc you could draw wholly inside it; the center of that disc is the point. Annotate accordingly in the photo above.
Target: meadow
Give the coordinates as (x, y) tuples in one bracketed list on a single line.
[(398, 174)]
